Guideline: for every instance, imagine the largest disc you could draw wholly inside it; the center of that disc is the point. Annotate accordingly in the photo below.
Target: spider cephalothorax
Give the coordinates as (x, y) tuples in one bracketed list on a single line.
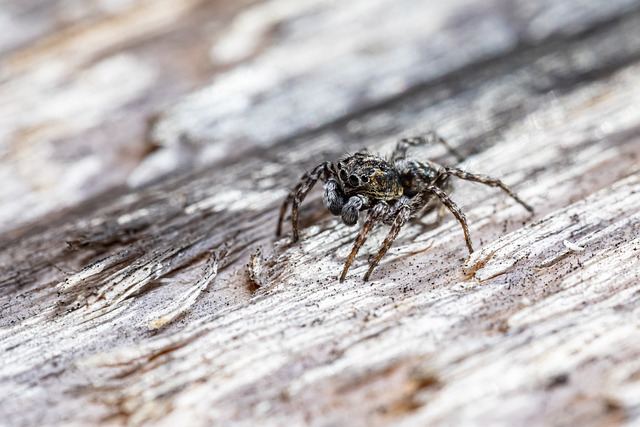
[(371, 176), (392, 191)]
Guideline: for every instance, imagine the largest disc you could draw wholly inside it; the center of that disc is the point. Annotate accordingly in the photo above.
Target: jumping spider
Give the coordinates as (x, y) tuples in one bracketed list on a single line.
[(391, 190)]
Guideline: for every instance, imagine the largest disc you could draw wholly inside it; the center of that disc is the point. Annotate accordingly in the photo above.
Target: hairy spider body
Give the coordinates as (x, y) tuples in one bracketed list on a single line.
[(392, 191)]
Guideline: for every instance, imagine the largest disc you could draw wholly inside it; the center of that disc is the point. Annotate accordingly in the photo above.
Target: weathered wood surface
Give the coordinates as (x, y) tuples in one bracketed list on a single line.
[(152, 303), (79, 82)]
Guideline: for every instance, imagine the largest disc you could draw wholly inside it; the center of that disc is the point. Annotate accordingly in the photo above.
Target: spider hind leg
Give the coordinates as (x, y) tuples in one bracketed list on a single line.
[(400, 151), (449, 204), (487, 180)]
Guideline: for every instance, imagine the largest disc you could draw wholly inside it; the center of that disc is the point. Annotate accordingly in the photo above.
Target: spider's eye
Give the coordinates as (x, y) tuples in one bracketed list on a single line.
[(365, 179), (343, 176), (353, 180)]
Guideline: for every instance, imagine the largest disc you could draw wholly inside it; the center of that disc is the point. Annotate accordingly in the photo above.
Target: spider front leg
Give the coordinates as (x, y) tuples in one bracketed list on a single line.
[(487, 180), (400, 215), (298, 194), (376, 214)]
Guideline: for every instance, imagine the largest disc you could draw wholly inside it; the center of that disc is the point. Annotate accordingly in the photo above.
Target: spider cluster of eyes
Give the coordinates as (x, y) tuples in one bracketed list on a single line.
[(353, 180)]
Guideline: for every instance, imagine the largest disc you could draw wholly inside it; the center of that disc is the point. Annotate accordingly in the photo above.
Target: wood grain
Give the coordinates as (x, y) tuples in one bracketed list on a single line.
[(170, 301)]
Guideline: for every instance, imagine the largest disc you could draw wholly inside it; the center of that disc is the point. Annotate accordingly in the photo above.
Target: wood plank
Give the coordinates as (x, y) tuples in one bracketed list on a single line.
[(174, 302)]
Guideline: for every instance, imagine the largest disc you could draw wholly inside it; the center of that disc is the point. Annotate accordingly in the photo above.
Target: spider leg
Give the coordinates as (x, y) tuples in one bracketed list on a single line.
[(283, 211), (447, 186), (450, 204), (403, 145), (401, 215), (298, 194), (375, 215), (487, 180)]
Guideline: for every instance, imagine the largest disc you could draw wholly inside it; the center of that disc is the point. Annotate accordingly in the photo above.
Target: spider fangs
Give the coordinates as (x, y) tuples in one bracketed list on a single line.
[(392, 191)]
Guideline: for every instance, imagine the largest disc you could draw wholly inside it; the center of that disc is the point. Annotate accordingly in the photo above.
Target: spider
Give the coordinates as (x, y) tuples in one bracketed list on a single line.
[(392, 191)]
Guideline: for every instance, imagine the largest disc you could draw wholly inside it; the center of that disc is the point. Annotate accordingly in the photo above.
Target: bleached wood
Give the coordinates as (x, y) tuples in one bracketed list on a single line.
[(174, 304)]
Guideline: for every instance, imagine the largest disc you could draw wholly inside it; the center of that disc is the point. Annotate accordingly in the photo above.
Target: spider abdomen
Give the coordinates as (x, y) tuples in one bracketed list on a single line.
[(415, 176)]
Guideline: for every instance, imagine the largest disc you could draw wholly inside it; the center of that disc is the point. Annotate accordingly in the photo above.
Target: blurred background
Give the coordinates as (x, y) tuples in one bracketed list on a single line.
[(97, 94)]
